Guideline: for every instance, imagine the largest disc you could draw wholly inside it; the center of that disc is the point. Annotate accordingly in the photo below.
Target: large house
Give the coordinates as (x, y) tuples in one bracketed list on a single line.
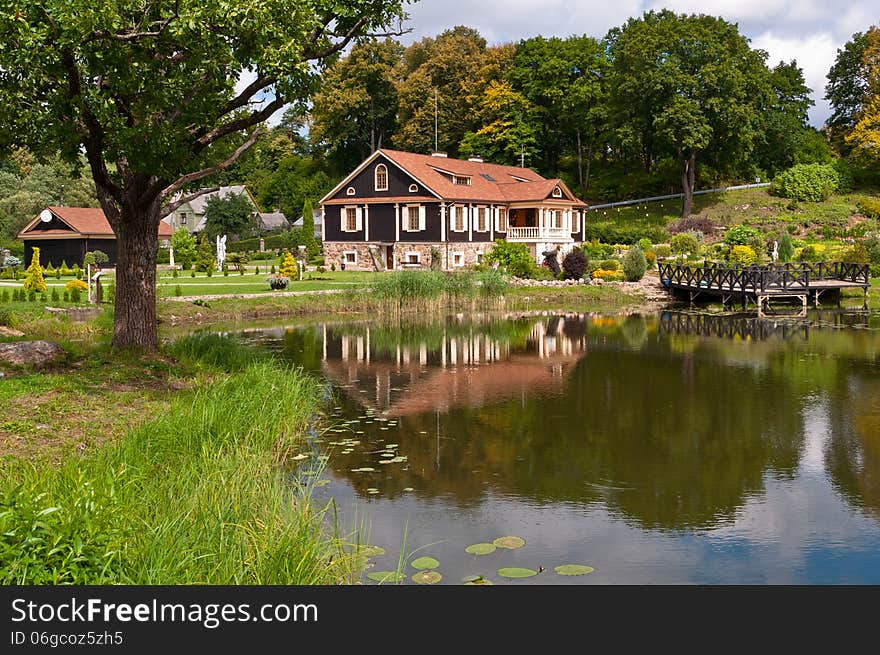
[(66, 234), (403, 210), (192, 216)]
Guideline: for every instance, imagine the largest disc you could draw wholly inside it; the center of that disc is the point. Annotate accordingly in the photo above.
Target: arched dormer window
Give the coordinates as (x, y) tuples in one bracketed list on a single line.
[(381, 178), (413, 188), (350, 191), (557, 192)]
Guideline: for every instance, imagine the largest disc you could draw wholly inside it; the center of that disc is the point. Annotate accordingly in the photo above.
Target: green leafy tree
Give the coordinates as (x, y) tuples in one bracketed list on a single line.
[(786, 132), (508, 127), (184, 245), (684, 86), (445, 66), (148, 92), (33, 281), (846, 89), (233, 214), (355, 112)]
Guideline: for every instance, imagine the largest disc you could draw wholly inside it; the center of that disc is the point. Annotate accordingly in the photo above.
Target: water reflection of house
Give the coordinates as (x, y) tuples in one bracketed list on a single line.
[(462, 370)]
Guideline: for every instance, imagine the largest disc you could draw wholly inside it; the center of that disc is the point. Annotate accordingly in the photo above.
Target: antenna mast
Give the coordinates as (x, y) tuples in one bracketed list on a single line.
[(522, 156), (435, 121)]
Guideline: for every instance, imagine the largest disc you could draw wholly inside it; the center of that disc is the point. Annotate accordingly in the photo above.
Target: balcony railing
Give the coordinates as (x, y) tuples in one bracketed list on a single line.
[(537, 233)]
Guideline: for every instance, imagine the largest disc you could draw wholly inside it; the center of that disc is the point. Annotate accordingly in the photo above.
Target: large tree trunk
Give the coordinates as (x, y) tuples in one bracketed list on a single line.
[(688, 180), (137, 243)]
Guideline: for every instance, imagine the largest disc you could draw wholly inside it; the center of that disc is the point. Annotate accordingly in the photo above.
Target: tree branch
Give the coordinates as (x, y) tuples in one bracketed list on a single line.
[(171, 206), (210, 170), (247, 93), (238, 125)]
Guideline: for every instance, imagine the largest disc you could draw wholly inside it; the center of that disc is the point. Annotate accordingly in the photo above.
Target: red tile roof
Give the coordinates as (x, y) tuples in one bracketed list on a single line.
[(91, 221), (507, 183)]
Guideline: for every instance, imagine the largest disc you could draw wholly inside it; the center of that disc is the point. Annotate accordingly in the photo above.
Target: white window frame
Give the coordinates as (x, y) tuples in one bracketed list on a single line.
[(557, 192), (413, 188), (461, 180), (410, 253), (384, 169), (183, 218), (459, 256), (350, 191), (354, 259), (485, 211), (358, 218), (407, 227), (459, 210), (558, 219), (501, 215)]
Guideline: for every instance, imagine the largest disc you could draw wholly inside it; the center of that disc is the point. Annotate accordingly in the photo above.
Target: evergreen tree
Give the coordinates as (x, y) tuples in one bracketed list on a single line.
[(288, 266), (308, 229), (786, 248), (34, 281), (205, 255)]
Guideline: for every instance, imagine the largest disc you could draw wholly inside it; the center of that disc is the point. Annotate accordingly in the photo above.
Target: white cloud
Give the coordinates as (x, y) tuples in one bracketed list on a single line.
[(814, 53)]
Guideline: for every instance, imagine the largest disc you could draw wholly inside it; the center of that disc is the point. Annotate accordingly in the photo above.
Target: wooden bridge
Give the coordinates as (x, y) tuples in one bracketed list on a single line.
[(761, 284), (730, 327)]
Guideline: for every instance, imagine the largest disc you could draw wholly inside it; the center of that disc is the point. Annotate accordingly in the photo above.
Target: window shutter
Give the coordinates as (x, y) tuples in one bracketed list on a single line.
[(421, 217), (342, 221), (359, 219)]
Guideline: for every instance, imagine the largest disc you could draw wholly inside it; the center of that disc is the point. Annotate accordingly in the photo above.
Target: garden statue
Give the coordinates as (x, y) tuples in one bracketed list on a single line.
[(775, 254), (221, 251)]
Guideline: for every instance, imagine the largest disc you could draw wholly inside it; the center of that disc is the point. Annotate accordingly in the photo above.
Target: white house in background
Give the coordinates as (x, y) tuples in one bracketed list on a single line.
[(273, 221), (191, 215), (319, 221)]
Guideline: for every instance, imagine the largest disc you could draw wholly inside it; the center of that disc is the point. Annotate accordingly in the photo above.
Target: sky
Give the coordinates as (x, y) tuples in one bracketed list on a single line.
[(808, 31)]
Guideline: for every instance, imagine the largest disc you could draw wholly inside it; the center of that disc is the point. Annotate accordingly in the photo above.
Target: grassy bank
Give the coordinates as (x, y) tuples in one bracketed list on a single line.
[(197, 495)]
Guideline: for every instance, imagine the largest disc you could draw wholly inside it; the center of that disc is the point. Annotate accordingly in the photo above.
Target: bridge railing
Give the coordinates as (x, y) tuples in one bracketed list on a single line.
[(789, 276)]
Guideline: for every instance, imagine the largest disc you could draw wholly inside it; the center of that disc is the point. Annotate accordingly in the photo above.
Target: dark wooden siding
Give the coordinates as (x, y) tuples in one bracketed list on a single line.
[(56, 251), (432, 226), (364, 183), (333, 226), (382, 223)]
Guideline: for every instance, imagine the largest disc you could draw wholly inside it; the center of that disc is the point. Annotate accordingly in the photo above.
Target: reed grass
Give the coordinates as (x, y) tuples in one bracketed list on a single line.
[(194, 496), (430, 291)]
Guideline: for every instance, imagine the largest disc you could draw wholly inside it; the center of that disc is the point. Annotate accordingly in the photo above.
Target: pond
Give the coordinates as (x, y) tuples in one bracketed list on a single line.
[(662, 449)]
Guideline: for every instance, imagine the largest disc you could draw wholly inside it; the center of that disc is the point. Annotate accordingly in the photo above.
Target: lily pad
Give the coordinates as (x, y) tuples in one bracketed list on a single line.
[(371, 551), (510, 542), (427, 577), (515, 572), (363, 469), (386, 576), (573, 569), (408, 489), (391, 445), (300, 457), (480, 549), (425, 563), (477, 580)]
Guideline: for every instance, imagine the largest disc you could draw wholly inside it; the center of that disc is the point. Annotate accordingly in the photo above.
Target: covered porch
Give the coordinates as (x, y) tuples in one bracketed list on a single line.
[(543, 222)]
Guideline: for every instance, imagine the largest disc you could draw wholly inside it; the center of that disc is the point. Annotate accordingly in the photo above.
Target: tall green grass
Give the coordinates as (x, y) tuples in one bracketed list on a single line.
[(194, 496), (428, 291)]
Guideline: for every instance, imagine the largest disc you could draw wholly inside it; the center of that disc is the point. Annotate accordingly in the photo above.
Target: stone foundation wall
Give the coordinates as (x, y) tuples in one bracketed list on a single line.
[(334, 253)]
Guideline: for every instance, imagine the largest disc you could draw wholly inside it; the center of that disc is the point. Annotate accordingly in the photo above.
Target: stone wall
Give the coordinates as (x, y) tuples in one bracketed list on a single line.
[(334, 251)]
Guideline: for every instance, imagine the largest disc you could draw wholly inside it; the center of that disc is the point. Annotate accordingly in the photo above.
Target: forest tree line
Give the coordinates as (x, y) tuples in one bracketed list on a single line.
[(661, 104)]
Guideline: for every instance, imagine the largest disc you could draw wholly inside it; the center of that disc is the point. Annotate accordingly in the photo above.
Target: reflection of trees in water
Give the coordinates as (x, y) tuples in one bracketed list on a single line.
[(853, 456)]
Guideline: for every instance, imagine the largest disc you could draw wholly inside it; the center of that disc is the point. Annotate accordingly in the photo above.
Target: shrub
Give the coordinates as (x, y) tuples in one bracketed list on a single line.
[(256, 270), (210, 270), (178, 291), (56, 297), (685, 244), (645, 244), (192, 273), (333, 266), (174, 273), (740, 235), (278, 282), (64, 270), (651, 258), (288, 267), (870, 207), (513, 258), (57, 273), (606, 275), (272, 269), (857, 253), (872, 246), (225, 270), (610, 265), (79, 285), (702, 224), (75, 296), (742, 255), (662, 250), (34, 280), (786, 248), (810, 253), (574, 265), (110, 295), (807, 182), (7, 318), (77, 271), (66, 295), (634, 264), (32, 296)]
